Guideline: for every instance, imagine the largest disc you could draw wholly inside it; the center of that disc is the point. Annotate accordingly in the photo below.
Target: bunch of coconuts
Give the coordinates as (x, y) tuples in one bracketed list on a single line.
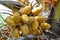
[(27, 22)]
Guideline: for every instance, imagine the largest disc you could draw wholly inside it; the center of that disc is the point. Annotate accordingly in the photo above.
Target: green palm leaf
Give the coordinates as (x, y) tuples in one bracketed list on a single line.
[(57, 10)]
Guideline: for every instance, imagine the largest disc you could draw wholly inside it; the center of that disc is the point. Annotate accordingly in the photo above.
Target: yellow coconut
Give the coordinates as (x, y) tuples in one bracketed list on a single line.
[(40, 19), (17, 17), (25, 10), (45, 26), (32, 32), (24, 29), (15, 33), (35, 25), (25, 18), (36, 11), (31, 19), (10, 21)]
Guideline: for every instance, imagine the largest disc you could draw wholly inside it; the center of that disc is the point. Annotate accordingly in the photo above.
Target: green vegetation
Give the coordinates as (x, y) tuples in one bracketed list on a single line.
[(57, 10)]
